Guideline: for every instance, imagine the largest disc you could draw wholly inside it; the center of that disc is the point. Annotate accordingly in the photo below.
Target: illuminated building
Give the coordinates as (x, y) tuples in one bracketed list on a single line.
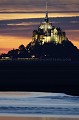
[(48, 33)]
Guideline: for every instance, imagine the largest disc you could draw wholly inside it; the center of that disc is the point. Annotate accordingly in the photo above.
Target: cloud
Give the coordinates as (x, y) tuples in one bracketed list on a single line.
[(25, 27), (70, 23), (38, 5)]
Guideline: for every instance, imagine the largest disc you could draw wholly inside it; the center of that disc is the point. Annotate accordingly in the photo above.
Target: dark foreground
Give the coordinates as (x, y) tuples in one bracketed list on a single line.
[(39, 76)]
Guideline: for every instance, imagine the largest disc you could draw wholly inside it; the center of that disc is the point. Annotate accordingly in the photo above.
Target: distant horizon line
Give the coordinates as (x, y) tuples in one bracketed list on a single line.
[(39, 12)]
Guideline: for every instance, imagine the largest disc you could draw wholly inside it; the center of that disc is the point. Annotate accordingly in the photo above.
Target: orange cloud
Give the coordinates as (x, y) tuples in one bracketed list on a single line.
[(10, 16), (73, 35), (76, 43)]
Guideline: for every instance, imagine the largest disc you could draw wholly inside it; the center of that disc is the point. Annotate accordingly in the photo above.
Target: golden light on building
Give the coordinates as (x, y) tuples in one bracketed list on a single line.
[(48, 33)]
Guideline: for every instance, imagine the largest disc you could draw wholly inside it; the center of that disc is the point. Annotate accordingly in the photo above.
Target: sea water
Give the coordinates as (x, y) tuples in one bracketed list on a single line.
[(39, 104)]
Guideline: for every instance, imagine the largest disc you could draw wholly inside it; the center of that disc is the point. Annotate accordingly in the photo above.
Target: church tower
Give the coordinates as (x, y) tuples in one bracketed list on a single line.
[(47, 32)]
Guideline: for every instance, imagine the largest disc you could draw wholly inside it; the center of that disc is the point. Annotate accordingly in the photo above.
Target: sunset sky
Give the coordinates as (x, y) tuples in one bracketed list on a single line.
[(18, 18)]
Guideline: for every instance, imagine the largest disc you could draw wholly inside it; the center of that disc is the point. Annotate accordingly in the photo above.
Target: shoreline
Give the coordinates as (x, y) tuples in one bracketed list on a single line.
[(36, 118)]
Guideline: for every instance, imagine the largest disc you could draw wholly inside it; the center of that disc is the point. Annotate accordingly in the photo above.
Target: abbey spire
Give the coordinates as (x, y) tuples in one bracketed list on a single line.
[(46, 17)]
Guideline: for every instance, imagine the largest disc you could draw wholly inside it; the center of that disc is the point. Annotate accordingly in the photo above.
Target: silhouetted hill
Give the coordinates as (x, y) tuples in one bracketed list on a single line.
[(52, 50), (38, 75), (35, 49)]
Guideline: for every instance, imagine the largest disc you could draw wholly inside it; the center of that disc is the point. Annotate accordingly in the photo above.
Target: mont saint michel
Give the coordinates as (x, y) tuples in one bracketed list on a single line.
[(49, 63)]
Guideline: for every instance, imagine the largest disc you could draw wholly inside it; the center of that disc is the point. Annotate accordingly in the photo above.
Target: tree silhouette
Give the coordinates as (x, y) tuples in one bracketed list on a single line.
[(22, 52), (13, 54)]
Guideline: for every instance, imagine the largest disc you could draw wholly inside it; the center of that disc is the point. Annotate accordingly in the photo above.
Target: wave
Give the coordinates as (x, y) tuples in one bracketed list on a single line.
[(40, 110), (39, 103)]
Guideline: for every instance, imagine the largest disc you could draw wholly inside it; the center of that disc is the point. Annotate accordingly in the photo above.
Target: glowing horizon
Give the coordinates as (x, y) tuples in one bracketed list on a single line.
[(11, 16), (14, 44)]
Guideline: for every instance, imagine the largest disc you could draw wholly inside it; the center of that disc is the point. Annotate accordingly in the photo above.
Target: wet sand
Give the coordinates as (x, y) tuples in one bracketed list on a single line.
[(15, 93), (35, 118), (20, 94)]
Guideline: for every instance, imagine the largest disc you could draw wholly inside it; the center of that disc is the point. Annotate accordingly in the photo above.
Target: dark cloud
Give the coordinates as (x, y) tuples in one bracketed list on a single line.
[(38, 5), (25, 27)]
